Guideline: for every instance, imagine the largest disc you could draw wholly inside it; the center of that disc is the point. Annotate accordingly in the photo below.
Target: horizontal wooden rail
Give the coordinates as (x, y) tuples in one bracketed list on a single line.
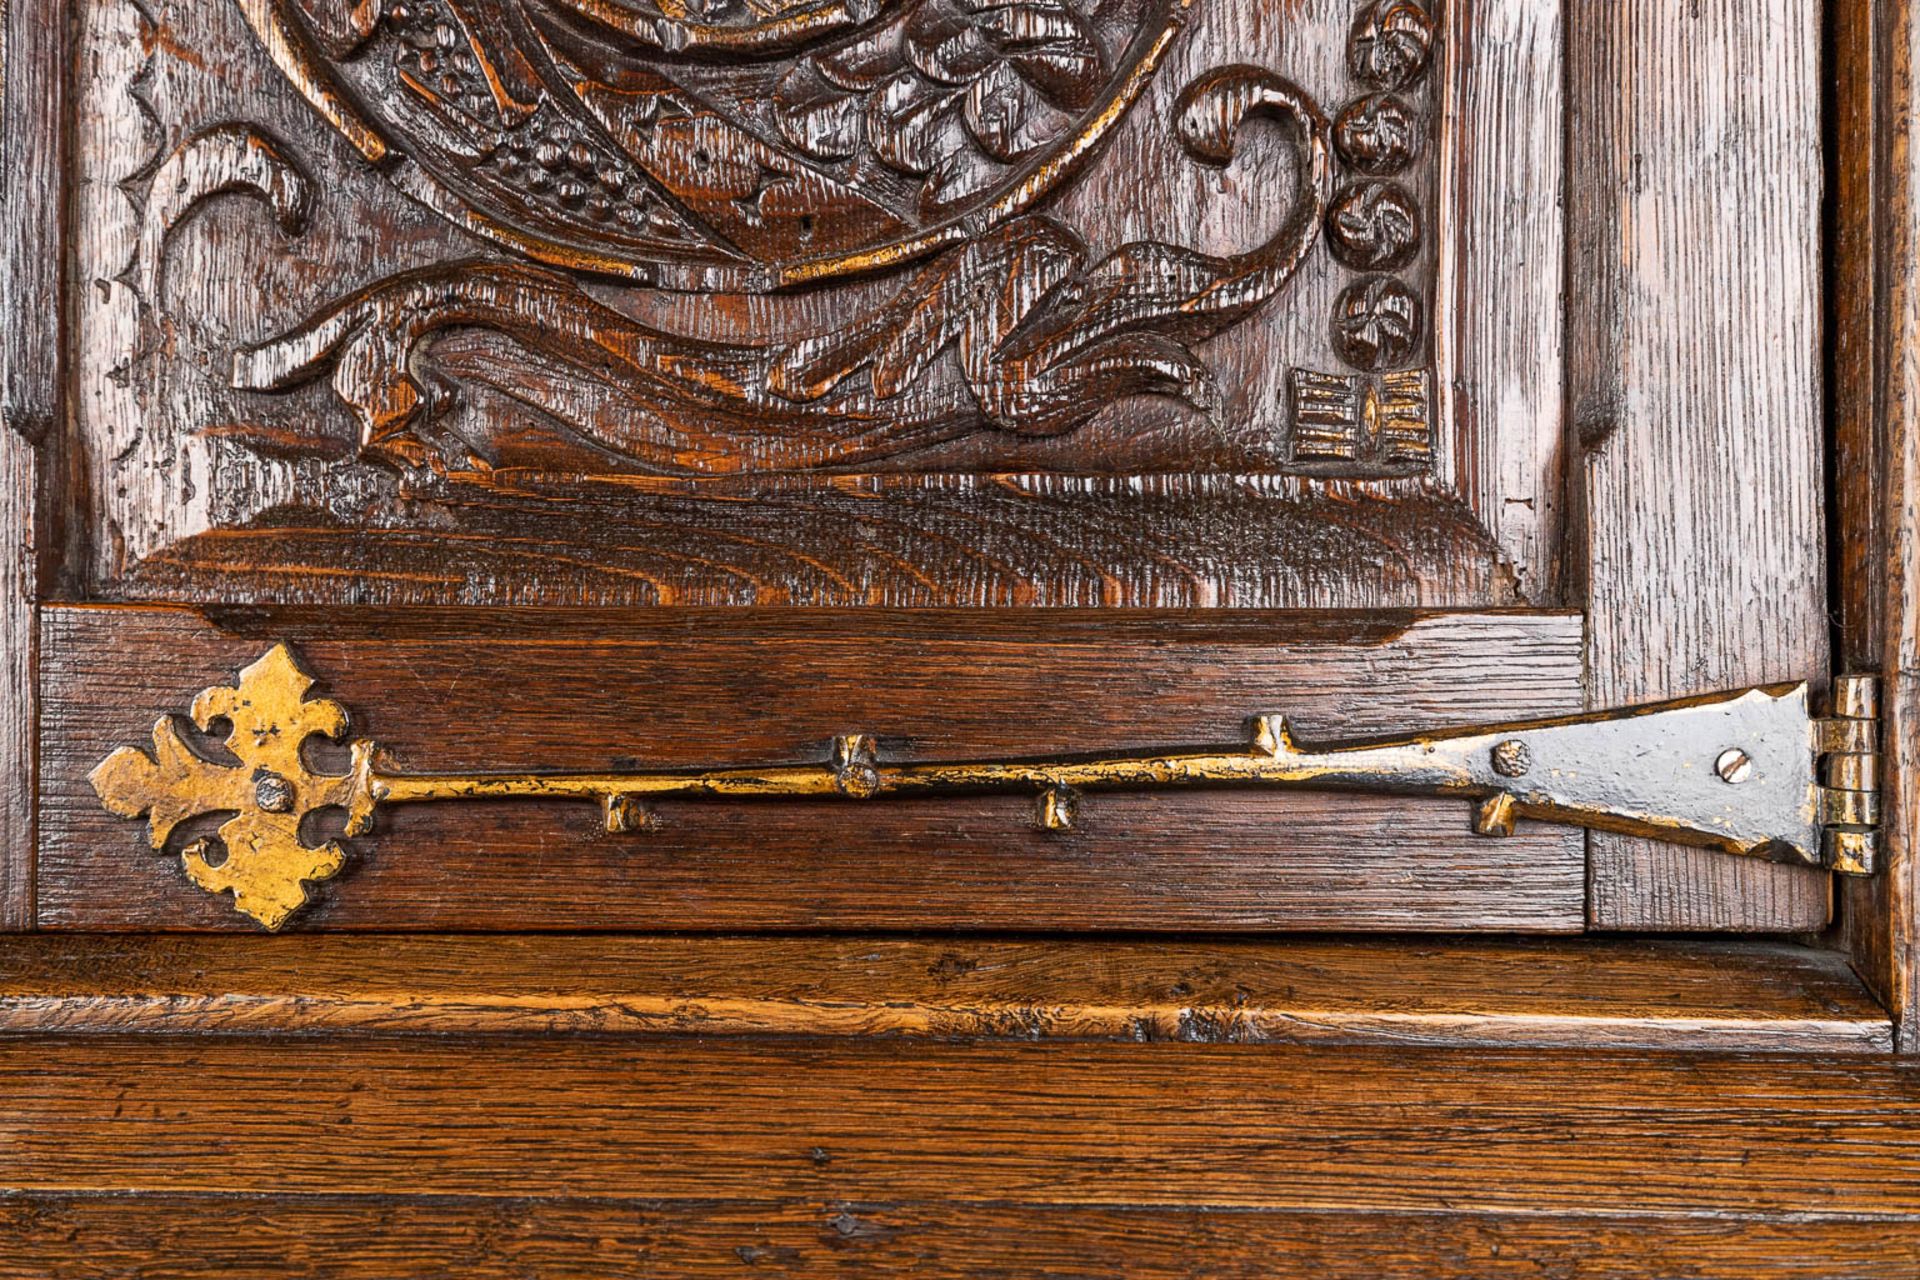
[(1662, 995)]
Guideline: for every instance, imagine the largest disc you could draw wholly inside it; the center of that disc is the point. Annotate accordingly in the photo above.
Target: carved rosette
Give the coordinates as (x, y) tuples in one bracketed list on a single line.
[(1373, 222), (1379, 420)]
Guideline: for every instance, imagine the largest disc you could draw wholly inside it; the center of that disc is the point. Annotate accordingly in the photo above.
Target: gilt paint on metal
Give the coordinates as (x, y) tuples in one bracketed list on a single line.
[(1738, 772)]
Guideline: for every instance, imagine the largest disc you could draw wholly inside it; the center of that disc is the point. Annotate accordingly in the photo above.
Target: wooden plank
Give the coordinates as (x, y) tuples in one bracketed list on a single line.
[(1694, 222), (1498, 291), (1391, 1129), (492, 689), (1758, 996), (33, 86), (343, 1237), (18, 713)]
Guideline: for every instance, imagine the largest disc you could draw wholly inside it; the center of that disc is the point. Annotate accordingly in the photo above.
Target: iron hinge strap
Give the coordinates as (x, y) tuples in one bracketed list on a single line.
[(1750, 772)]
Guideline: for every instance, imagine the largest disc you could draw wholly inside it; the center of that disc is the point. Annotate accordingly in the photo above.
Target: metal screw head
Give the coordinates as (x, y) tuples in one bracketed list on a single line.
[(1734, 766), (855, 771), (1511, 759), (273, 793)]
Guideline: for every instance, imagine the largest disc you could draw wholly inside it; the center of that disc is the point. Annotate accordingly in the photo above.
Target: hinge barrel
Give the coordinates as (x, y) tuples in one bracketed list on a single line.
[(1850, 776)]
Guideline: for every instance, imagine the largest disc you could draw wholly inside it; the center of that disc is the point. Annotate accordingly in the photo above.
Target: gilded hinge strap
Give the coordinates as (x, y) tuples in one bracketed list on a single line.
[(1748, 772)]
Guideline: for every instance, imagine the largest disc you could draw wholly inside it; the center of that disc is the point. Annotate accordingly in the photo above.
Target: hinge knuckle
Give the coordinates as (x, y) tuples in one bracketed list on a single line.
[(1849, 801)]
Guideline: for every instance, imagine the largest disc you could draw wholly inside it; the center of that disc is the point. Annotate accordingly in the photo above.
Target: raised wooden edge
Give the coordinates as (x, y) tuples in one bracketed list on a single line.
[(344, 1236), (1497, 295), (1649, 995), (33, 84), (1900, 238)]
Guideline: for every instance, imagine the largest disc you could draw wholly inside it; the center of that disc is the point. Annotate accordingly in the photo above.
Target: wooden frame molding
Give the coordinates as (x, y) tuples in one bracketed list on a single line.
[(1605, 995)]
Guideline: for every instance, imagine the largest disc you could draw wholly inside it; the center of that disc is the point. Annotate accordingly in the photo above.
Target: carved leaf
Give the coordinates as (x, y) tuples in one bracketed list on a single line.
[(1008, 117), (342, 26), (957, 175), (821, 119), (1051, 47), (947, 43), (905, 117), (863, 64)]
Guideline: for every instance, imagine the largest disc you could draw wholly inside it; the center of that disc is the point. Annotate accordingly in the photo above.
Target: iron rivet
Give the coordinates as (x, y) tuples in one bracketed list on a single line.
[(1511, 759), (273, 793), (1734, 766)]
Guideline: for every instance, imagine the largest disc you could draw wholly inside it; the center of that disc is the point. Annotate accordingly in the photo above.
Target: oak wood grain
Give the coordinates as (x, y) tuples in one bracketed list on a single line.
[(452, 690), (348, 1237), (1498, 295), (1694, 222), (1728, 997), (18, 683), (1163, 541), (1223, 1126)]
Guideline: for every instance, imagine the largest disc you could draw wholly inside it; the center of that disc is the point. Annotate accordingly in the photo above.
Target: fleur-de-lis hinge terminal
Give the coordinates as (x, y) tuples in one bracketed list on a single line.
[(269, 718)]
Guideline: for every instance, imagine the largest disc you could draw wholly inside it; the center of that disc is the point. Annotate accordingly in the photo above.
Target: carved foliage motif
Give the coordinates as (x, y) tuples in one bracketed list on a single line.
[(620, 137), (750, 148)]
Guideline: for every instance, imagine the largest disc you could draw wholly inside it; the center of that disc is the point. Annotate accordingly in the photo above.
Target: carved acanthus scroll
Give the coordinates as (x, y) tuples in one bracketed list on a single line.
[(735, 150), (1045, 335)]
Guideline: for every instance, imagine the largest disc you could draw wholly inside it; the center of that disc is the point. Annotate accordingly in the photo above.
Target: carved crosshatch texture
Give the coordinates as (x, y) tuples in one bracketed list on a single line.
[(923, 301)]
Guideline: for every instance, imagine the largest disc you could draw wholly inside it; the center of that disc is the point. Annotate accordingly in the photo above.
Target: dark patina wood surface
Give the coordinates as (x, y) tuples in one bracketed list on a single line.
[(483, 1157), (1649, 995)]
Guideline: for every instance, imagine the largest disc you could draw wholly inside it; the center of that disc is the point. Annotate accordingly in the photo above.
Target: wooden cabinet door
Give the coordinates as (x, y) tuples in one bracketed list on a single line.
[(576, 385)]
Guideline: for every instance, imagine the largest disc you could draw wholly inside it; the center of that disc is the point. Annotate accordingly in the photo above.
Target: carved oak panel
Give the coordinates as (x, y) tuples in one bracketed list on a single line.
[(843, 301)]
